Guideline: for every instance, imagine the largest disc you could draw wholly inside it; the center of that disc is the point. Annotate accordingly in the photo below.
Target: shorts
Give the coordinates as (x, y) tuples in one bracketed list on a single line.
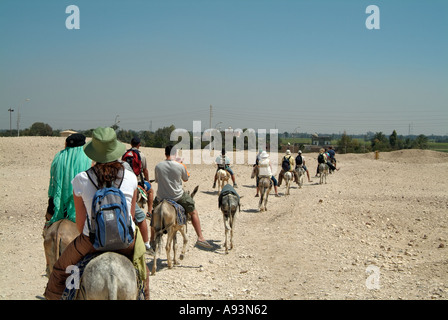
[(140, 215), (146, 185)]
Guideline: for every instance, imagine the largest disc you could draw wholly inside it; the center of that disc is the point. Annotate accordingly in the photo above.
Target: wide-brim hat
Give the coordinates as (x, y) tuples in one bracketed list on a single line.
[(104, 146), (264, 155), (288, 152)]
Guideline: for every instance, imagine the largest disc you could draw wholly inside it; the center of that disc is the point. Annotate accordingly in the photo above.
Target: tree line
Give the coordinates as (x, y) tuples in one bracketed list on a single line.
[(161, 137), (158, 139), (381, 142)]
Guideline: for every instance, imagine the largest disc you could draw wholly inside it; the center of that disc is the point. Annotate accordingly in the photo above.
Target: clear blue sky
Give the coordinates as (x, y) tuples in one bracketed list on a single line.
[(309, 66)]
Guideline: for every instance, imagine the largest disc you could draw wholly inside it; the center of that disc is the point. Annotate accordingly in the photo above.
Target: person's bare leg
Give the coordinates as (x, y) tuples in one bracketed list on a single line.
[(143, 226), (150, 194), (196, 224)]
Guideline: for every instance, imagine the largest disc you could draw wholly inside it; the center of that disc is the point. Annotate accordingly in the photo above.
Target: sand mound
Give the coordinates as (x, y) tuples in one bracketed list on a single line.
[(414, 156)]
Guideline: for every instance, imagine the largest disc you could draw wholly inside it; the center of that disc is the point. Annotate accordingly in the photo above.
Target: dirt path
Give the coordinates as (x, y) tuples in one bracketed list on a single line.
[(387, 215)]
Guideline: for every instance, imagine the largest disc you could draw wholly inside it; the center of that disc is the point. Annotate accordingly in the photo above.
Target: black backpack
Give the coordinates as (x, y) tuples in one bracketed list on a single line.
[(320, 158), (299, 160), (286, 165)]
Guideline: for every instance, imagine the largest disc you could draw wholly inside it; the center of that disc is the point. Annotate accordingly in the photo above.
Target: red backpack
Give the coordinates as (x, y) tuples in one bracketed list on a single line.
[(132, 157)]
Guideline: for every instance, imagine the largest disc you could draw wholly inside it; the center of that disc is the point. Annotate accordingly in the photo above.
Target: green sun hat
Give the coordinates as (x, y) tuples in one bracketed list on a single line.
[(104, 146)]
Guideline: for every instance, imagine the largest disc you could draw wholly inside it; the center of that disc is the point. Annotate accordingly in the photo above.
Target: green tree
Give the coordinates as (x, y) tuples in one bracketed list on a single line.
[(421, 142), (39, 129), (348, 145), (162, 137), (380, 142), (126, 135), (393, 140)]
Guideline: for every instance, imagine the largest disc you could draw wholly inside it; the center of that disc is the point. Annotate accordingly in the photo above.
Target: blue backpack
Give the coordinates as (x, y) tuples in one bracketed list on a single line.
[(110, 226)]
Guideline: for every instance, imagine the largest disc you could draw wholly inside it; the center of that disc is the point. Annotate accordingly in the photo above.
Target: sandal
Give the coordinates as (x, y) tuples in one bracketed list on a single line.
[(204, 244)]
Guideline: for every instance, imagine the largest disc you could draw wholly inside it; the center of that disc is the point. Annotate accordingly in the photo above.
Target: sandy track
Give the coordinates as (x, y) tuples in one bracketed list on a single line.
[(316, 243)]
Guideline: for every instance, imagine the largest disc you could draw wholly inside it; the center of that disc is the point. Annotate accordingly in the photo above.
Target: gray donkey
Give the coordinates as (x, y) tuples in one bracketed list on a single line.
[(229, 202)]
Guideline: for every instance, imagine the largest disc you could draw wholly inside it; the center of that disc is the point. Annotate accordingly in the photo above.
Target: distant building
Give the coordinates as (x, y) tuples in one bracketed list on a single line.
[(66, 133), (321, 141)]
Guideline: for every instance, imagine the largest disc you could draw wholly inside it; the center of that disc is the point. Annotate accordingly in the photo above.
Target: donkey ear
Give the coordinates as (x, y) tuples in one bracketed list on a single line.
[(194, 191)]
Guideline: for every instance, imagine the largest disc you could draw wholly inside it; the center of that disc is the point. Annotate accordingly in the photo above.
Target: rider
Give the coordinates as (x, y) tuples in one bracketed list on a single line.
[(292, 165), (300, 161), (65, 166), (105, 150), (223, 162), (332, 154), (169, 175), (143, 180), (324, 158), (265, 169)]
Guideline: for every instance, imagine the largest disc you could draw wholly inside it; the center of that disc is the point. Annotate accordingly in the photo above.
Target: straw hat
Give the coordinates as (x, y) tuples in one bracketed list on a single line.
[(104, 146), (264, 155)]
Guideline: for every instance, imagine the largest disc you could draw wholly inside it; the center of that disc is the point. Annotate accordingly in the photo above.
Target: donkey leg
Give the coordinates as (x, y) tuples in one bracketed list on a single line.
[(169, 241), (266, 199), (225, 232), (231, 230), (185, 241), (154, 263), (260, 203), (175, 248)]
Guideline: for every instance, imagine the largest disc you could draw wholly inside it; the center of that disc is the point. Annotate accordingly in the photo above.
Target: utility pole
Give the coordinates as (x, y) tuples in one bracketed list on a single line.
[(10, 126), (18, 116)]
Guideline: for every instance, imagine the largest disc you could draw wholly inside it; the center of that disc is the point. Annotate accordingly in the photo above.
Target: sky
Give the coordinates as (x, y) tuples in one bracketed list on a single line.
[(293, 65)]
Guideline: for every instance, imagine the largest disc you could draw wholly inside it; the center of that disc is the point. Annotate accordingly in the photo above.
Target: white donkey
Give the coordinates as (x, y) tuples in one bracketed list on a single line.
[(223, 178)]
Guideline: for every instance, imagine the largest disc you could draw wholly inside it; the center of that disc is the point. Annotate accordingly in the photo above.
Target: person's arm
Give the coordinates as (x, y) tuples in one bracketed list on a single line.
[(134, 201), (185, 174), (146, 174), (81, 213)]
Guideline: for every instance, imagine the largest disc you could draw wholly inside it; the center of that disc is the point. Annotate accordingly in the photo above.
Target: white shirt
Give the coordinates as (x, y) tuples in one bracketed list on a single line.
[(264, 167), (220, 158), (83, 187)]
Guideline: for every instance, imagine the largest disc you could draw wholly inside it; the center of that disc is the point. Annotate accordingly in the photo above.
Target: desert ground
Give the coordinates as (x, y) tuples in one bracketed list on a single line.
[(377, 230)]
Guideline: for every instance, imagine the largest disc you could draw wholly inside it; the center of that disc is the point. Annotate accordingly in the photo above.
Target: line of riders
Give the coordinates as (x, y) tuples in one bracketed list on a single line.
[(293, 165), (70, 190), (289, 163)]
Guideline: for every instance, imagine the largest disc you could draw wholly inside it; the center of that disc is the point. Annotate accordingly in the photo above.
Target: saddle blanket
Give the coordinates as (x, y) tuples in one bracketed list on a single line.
[(71, 293), (227, 189), (181, 216)]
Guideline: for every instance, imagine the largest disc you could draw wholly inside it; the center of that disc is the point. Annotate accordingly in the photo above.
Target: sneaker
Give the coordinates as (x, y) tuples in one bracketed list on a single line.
[(235, 185), (149, 250)]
